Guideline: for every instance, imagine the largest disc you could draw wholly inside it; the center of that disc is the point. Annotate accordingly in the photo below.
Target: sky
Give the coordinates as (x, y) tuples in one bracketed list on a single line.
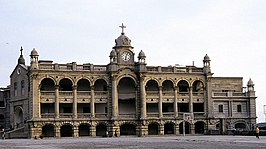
[(231, 32)]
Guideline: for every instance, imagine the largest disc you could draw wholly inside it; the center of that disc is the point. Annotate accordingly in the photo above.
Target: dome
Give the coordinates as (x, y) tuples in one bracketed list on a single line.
[(141, 54), (113, 53), (122, 40), (21, 60), (34, 52), (206, 58), (250, 82)]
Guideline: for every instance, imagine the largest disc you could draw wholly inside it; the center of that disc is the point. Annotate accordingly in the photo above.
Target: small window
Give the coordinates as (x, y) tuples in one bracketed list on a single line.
[(239, 108), (15, 89), (22, 87), (2, 118), (221, 108), (2, 104)]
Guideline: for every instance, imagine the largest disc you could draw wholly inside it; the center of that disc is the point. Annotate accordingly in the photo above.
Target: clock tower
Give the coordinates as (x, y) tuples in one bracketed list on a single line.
[(123, 53)]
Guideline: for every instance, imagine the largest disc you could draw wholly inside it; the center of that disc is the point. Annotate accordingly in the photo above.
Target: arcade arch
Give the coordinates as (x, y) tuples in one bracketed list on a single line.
[(127, 129), (199, 127), (84, 130), (101, 130), (169, 128), (66, 130), (153, 129), (48, 130)]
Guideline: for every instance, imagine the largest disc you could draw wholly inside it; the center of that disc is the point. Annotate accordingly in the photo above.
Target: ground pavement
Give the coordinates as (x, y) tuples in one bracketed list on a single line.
[(129, 142)]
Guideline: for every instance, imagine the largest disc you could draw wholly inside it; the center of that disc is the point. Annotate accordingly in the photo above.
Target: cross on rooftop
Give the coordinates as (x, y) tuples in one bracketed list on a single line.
[(21, 50), (122, 26)]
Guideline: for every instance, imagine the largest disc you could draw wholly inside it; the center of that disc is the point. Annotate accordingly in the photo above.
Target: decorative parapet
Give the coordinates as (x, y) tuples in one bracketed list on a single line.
[(174, 69), (49, 65), (228, 94)]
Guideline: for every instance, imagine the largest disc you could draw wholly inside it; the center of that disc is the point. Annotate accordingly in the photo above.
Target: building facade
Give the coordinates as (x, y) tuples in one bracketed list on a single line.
[(125, 97), (4, 108)]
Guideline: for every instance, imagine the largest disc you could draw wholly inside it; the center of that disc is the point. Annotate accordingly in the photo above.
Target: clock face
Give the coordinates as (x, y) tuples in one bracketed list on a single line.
[(125, 56)]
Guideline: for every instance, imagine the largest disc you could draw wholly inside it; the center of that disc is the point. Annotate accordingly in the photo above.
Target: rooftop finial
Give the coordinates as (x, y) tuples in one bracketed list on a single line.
[(122, 26), (21, 49)]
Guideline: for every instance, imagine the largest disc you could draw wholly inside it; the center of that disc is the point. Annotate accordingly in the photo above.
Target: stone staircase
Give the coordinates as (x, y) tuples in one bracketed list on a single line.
[(16, 133)]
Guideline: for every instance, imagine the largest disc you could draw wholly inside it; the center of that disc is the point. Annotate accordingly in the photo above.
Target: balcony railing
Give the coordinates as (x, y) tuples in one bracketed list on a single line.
[(126, 95), (47, 94), (84, 115), (65, 115), (168, 93), (84, 94), (47, 115), (153, 115), (125, 115), (169, 114), (152, 93), (101, 115), (183, 94), (65, 93)]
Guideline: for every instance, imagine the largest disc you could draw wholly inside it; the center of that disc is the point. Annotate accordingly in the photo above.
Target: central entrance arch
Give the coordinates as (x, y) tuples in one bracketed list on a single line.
[(127, 97)]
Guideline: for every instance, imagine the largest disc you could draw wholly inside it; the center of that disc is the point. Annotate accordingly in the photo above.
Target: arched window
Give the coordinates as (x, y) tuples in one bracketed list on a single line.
[(22, 87), (15, 89)]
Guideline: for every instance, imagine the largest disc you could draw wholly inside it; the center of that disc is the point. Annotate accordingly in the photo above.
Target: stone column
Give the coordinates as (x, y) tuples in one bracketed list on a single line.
[(75, 131), (230, 108), (39, 102), (56, 109), (161, 129), (114, 98), (175, 102), (190, 100), (93, 131), (92, 102), (142, 98), (160, 103), (75, 111), (57, 131), (36, 112)]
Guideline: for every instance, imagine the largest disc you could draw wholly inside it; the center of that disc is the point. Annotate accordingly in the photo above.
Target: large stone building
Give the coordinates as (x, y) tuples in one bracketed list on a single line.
[(125, 97)]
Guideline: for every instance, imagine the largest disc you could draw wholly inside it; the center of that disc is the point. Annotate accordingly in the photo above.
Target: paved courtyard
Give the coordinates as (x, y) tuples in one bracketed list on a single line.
[(168, 142)]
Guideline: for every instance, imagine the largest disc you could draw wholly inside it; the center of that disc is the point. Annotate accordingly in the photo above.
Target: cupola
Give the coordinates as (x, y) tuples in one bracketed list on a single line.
[(122, 40)]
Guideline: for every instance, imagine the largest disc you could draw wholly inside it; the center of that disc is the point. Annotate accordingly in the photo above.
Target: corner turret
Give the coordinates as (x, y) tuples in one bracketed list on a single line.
[(34, 59), (206, 64)]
